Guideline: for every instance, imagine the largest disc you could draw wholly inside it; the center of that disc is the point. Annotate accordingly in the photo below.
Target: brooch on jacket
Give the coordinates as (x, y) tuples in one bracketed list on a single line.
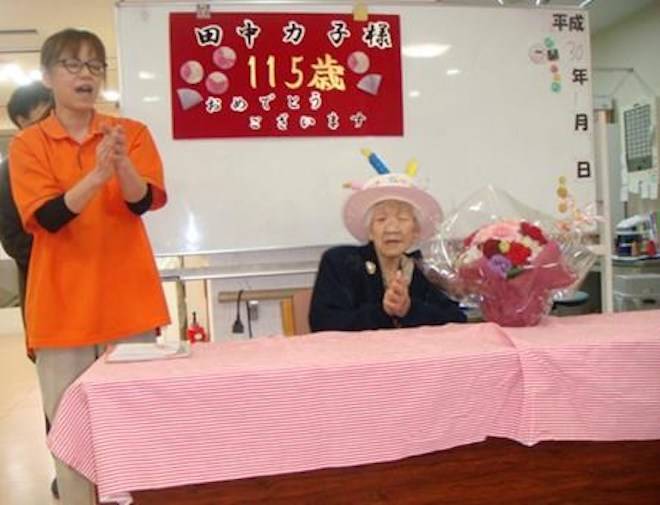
[(370, 266)]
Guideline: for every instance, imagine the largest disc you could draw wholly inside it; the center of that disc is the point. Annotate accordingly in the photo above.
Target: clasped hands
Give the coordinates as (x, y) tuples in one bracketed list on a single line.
[(396, 302), (111, 152)]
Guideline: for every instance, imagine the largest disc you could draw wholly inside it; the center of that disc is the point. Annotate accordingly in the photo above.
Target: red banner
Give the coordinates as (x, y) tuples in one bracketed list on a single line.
[(275, 75)]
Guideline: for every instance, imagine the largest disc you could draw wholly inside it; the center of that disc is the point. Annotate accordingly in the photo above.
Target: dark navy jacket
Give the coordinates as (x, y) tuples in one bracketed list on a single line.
[(347, 297), (15, 240)]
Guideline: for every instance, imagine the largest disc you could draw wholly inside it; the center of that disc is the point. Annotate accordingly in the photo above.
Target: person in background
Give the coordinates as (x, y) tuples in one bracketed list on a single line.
[(27, 105), (379, 285), (82, 181)]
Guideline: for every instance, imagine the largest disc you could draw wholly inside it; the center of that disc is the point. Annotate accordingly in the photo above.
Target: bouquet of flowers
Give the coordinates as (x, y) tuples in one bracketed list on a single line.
[(496, 253)]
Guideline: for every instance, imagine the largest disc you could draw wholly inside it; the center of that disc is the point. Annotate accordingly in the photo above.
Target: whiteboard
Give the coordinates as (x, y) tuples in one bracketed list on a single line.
[(480, 113)]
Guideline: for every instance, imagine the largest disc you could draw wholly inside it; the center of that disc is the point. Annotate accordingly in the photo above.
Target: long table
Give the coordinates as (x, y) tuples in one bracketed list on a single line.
[(494, 472), (274, 406)]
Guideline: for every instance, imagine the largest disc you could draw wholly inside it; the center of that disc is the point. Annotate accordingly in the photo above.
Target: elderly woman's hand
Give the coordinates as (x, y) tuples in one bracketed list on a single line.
[(396, 302)]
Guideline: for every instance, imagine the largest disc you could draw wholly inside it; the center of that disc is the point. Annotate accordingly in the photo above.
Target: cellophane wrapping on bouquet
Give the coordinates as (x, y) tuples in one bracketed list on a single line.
[(509, 260)]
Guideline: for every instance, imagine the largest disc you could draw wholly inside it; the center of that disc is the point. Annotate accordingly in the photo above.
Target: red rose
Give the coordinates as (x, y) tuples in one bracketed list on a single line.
[(518, 253), (491, 247), (533, 232)]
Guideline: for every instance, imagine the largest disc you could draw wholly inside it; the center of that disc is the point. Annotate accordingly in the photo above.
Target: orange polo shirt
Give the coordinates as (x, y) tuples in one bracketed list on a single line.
[(95, 279)]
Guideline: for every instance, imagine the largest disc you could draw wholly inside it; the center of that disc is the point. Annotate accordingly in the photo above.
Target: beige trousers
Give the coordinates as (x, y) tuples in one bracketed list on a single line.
[(57, 369)]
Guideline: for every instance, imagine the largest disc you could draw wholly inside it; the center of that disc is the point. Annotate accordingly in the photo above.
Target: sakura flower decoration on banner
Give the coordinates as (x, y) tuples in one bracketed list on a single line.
[(506, 258)]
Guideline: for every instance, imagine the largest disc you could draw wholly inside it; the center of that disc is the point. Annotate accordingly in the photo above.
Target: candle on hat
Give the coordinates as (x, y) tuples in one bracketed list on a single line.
[(378, 164)]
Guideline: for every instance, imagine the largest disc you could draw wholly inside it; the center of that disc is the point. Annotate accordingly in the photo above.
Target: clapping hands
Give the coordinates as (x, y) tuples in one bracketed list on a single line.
[(111, 153), (396, 302)]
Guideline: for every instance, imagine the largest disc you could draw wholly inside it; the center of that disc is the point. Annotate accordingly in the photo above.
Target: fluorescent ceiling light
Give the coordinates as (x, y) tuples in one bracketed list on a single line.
[(146, 75), (111, 95), (414, 93), (453, 71), (425, 50), (13, 73)]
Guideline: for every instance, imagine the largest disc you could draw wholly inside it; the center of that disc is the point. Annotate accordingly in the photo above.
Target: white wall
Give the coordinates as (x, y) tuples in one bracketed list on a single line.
[(633, 42), (268, 323), (222, 315)]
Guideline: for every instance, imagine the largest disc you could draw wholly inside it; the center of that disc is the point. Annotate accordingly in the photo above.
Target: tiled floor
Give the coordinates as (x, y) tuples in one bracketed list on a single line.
[(26, 468)]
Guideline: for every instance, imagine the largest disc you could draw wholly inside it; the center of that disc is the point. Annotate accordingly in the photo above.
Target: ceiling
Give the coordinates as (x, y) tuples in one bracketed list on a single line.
[(24, 25)]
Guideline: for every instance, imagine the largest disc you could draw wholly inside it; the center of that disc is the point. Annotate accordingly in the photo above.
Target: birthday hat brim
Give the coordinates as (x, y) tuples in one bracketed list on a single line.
[(429, 213)]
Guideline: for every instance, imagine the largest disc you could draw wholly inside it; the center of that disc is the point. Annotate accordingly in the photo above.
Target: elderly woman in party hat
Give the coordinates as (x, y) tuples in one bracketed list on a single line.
[(378, 285)]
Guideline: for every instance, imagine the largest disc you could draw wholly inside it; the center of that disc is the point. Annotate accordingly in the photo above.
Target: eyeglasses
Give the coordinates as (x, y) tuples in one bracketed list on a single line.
[(75, 66)]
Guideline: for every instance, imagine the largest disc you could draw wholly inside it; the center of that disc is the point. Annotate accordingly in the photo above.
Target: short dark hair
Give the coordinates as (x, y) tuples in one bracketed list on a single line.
[(69, 40), (26, 98)]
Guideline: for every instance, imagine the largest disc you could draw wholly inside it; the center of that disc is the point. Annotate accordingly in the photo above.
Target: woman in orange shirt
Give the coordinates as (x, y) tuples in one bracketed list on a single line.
[(81, 181)]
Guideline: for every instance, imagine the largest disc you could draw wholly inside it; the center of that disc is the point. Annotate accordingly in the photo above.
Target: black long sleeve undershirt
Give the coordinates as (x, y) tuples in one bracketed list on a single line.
[(141, 206), (54, 214)]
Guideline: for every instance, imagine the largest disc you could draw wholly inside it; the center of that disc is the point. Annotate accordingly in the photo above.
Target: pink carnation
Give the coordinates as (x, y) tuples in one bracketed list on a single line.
[(502, 230)]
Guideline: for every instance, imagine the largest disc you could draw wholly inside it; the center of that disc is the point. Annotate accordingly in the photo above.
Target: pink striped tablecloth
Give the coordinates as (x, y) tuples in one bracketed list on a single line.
[(280, 405), (593, 377)]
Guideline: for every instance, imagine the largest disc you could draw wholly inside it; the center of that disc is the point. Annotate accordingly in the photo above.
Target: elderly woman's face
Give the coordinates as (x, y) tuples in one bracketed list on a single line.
[(393, 228)]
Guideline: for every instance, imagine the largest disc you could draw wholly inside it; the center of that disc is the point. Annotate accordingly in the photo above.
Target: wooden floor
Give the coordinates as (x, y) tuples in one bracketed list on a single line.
[(493, 472), (26, 467)]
